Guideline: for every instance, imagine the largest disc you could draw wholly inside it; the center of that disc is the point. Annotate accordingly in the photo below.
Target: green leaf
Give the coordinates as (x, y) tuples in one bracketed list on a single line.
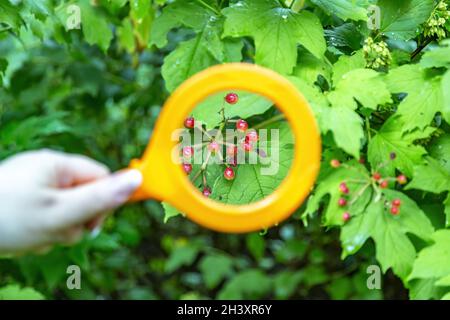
[(393, 247), (310, 67), (431, 177), (126, 36), (254, 182), (400, 19), (286, 282), (183, 255), (418, 109), (357, 180), (345, 9), (194, 55), (446, 94), (434, 261), (277, 31), (249, 284), (390, 138), (256, 245), (215, 268), (345, 64), (10, 15), (364, 85), (346, 126), (249, 104), (169, 211), (437, 58), (95, 26), (186, 13), (440, 150), (14, 292)]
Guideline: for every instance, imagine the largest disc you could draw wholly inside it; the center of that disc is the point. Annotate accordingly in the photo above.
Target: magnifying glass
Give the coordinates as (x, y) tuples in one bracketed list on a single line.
[(165, 180)]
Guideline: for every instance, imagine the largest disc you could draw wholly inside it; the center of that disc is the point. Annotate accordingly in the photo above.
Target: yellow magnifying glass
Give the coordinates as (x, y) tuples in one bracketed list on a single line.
[(165, 180)]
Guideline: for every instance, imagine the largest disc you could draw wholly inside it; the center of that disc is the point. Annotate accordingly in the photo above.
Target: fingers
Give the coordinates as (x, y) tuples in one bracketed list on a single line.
[(54, 169), (72, 170), (78, 205)]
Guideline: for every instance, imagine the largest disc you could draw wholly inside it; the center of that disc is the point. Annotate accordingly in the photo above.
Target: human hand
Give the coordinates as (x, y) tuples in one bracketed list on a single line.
[(49, 197)]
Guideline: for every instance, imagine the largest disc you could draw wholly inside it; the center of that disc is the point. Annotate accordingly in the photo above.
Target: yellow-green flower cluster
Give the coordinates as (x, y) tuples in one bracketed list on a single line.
[(435, 26), (377, 54)]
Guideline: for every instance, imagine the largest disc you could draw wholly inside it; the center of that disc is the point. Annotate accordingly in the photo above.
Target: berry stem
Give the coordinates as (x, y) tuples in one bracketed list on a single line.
[(209, 7), (270, 121)]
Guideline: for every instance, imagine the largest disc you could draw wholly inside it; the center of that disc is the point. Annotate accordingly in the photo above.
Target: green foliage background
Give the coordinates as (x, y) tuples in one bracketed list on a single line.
[(98, 91)]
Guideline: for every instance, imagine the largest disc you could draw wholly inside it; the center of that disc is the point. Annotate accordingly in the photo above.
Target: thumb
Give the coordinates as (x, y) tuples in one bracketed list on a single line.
[(82, 203)]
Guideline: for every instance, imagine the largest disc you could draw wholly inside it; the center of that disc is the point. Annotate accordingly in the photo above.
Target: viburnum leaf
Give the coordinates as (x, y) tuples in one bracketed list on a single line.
[(250, 283), (434, 261), (390, 138), (277, 32), (356, 179), (248, 105), (256, 181), (311, 67), (364, 85), (14, 292), (215, 268), (431, 177), (444, 87), (186, 13), (345, 9), (193, 55), (95, 26), (348, 137), (400, 19), (345, 64), (10, 15), (437, 58), (425, 95), (393, 247)]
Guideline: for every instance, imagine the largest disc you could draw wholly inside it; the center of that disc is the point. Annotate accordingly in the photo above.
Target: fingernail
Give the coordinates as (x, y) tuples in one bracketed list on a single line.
[(126, 183)]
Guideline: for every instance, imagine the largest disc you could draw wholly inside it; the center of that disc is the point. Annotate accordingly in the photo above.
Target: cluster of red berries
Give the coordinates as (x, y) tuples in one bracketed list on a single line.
[(395, 206), (247, 144), (383, 183), (342, 201)]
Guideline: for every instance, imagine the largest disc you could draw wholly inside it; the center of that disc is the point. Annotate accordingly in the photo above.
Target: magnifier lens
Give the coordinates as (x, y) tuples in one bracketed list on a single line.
[(236, 147)]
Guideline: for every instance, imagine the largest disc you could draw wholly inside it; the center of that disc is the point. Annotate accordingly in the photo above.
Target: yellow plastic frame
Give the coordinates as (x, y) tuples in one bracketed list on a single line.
[(165, 180)]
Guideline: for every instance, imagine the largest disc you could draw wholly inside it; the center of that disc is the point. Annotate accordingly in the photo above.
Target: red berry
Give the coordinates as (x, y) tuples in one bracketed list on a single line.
[(395, 210), (206, 191), (187, 167), (232, 150), (346, 216), (402, 179), (213, 147), (384, 184), (228, 173), (247, 146), (376, 176), (396, 202), (188, 151), (343, 188), (342, 202), (241, 125), (251, 136), (189, 123), (231, 98), (335, 163)]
